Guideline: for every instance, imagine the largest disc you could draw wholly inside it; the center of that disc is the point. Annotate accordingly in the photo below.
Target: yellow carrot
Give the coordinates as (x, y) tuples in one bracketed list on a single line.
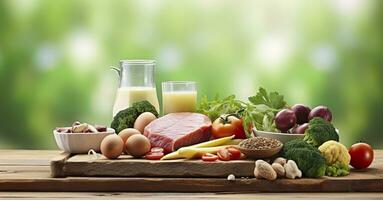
[(212, 143), (195, 152), (233, 142), (171, 156)]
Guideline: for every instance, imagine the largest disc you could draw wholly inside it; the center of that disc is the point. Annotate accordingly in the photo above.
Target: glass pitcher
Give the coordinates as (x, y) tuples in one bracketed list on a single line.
[(136, 84)]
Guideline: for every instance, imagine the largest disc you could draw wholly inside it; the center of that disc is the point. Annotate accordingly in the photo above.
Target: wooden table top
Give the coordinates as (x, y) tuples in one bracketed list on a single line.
[(21, 169)]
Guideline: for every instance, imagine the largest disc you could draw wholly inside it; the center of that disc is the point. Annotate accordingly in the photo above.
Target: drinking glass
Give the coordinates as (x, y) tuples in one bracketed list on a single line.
[(179, 96)]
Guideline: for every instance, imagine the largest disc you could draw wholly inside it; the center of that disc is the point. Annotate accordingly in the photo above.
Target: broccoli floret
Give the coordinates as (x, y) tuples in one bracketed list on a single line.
[(145, 106), (297, 143), (337, 169), (124, 119), (319, 132), (308, 158), (310, 162)]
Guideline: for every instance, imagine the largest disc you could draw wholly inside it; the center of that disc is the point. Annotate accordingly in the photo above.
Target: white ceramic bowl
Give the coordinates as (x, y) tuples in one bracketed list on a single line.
[(80, 142), (283, 137)]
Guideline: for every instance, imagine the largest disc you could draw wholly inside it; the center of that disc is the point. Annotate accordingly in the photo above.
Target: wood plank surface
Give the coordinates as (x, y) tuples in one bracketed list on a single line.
[(126, 166), (30, 171), (189, 196)]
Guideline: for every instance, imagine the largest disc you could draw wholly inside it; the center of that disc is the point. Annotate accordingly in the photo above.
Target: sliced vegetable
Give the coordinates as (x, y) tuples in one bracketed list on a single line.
[(224, 154), (235, 154), (154, 155), (227, 125), (209, 157)]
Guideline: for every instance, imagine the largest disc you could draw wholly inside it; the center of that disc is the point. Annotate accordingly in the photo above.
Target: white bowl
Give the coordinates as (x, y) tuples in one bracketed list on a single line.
[(80, 142), (283, 137)]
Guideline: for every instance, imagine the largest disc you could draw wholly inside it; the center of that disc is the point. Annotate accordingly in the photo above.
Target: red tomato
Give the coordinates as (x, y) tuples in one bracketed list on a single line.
[(223, 154), (209, 157), (235, 154), (154, 155), (227, 125), (361, 154)]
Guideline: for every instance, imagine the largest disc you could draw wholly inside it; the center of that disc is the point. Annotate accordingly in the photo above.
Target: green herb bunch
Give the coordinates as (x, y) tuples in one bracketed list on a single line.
[(257, 113)]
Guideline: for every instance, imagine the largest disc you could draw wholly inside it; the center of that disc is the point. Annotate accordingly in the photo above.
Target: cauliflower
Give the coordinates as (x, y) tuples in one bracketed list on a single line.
[(337, 158)]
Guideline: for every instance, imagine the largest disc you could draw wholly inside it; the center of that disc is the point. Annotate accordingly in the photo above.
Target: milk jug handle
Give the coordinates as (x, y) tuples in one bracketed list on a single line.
[(116, 69)]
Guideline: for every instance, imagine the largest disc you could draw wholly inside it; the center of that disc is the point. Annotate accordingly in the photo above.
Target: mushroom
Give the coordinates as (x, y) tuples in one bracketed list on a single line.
[(279, 169), (92, 129), (264, 170), (282, 161), (80, 128), (76, 123), (292, 170)]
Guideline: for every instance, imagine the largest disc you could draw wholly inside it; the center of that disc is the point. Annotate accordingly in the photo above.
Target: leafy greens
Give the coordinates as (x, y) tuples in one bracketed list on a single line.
[(259, 112)]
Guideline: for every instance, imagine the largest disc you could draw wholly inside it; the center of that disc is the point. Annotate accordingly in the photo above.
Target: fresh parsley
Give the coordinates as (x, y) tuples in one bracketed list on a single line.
[(258, 113)]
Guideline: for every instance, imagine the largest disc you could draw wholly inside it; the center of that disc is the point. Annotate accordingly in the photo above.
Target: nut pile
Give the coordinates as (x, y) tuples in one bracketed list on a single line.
[(78, 127), (260, 143)]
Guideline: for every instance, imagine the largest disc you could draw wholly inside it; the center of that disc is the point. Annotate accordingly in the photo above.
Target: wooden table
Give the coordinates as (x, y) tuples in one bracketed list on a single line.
[(23, 173)]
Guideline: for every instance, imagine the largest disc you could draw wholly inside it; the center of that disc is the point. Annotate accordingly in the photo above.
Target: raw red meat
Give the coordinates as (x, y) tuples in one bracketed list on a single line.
[(177, 130)]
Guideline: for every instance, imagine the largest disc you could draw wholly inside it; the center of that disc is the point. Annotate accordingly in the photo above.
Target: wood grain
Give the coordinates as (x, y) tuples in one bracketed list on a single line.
[(20, 174), (188, 196), (187, 185), (126, 166), (58, 163)]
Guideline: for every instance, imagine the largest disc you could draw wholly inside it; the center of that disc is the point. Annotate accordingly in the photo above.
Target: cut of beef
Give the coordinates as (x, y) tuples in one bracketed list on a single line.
[(177, 130)]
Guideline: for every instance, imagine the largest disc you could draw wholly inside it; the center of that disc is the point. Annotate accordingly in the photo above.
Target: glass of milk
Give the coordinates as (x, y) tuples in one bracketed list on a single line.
[(179, 96), (136, 84)]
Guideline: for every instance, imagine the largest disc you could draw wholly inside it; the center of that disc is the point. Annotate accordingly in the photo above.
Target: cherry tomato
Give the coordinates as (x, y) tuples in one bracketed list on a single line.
[(361, 154), (227, 125), (235, 154), (154, 155), (223, 154), (208, 157)]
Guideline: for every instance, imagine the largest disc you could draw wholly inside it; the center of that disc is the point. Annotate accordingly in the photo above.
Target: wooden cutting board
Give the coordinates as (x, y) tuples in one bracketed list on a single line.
[(126, 166), (86, 174)]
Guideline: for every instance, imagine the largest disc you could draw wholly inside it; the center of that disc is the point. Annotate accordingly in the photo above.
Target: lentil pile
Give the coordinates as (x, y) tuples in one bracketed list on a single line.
[(260, 143)]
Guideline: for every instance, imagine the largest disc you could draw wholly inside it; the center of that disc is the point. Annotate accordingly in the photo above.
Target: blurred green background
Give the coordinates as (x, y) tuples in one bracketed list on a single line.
[(55, 58)]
